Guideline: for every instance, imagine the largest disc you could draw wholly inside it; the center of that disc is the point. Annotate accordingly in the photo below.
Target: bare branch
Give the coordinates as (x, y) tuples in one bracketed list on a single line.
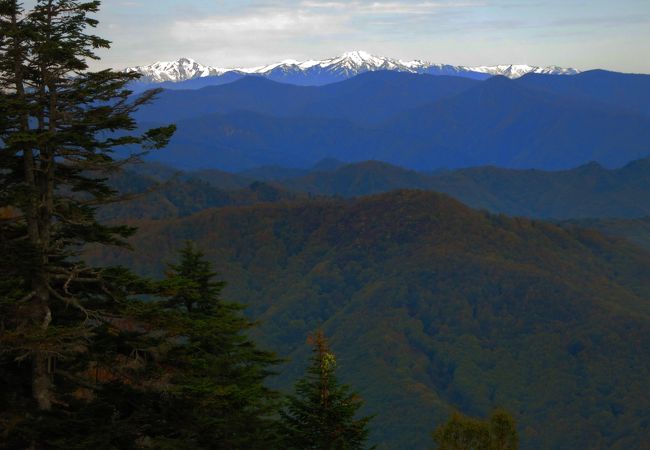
[(27, 297), (69, 301)]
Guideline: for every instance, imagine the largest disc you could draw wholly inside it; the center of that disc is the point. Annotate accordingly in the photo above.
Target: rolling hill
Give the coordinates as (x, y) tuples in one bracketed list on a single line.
[(586, 192), (589, 191)]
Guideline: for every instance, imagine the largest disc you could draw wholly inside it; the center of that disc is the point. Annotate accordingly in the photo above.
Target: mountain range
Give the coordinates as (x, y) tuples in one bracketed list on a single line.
[(416, 121), (587, 192), (320, 72)]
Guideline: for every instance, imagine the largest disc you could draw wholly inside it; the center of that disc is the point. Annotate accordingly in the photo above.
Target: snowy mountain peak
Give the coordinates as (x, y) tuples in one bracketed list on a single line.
[(334, 69), (519, 70), (360, 57), (359, 54), (180, 70)]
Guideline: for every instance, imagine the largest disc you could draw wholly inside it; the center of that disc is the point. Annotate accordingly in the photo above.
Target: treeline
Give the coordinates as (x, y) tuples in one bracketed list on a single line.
[(97, 357)]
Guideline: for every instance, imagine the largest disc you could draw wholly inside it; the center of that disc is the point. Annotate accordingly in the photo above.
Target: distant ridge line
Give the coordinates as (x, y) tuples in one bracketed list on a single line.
[(318, 72)]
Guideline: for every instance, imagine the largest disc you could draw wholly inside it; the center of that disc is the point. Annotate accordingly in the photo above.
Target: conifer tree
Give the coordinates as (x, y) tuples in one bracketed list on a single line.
[(59, 127), (322, 413), (218, 399)]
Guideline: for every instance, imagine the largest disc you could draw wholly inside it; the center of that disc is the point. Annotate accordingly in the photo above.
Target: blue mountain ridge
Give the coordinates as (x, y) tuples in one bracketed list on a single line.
[(416, 121)]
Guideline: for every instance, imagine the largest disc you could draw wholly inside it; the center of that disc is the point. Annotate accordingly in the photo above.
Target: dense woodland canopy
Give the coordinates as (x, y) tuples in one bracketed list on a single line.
[(433, 306)]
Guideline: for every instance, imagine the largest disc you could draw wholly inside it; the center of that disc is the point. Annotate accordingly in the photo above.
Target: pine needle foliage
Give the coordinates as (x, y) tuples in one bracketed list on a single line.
[(217, 373), (64, 324), (322, 415)]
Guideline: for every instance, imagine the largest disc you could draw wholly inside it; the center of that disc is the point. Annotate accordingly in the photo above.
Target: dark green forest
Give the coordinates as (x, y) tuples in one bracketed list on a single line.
[(433, 306)]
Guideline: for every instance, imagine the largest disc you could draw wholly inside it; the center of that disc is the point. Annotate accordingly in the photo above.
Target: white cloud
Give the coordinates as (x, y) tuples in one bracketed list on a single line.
[(277, 23), (471, 32), (393, 7)]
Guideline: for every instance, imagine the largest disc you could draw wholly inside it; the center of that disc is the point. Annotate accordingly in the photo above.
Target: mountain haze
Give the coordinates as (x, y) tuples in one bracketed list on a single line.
[(369, 98), (416, 121)]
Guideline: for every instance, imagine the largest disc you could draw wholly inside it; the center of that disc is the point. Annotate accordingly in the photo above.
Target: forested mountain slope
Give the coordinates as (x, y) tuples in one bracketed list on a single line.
[(589, 191), (636, 231), (432, 305), (156, 192)]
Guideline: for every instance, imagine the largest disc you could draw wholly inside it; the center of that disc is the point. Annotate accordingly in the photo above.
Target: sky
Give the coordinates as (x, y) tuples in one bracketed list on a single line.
[(585, 34)]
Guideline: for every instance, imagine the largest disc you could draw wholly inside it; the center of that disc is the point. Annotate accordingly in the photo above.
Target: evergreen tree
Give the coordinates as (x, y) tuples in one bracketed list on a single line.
[(192, 282), (322, 413), (218, 398), (63, 324), (499, 432)]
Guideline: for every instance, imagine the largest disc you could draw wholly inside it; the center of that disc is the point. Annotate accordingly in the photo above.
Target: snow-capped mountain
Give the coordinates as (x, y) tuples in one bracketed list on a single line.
[(519, 70), (181, 70), (319, 72)]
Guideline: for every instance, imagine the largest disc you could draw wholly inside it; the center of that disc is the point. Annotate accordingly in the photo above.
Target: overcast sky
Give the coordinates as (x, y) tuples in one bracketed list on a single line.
[(584, 34)]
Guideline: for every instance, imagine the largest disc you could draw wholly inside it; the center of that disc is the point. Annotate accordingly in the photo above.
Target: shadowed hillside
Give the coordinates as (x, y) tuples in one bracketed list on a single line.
[(587, 191), (636, 231), (156, 192), (432, 305)]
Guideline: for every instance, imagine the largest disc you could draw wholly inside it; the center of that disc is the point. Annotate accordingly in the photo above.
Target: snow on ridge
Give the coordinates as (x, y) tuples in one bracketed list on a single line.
[(348, 64), (179, 70)]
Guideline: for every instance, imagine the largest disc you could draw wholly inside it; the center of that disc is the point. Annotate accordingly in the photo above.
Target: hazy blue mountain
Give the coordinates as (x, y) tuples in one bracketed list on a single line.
[(373, 97), (367, 99), (621, 90), (504, 123), (244, 140), (499, 122)]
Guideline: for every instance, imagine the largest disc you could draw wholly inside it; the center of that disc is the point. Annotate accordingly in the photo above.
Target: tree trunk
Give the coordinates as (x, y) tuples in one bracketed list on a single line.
[(42, 386), (38, 220)]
